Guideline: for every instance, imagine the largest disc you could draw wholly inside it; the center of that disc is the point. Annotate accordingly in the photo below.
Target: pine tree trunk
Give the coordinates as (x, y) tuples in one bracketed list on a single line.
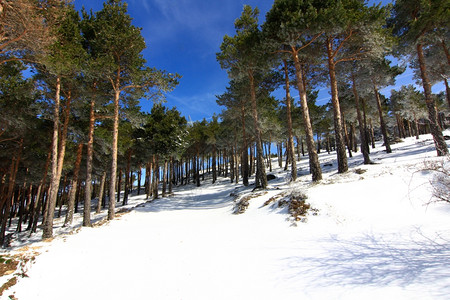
[(314, 164), (172, 174), (102, 192), (38, 202), (279, 155), (338, 128), (89, 159), (439, 142), (115, 140), (372, 135), (347, 139), (244, 162), (409, 129), (54, 181), (164, 186), (236, 161), (214, 162), (251, 161), (148, 174), (119, 185), (139, 177), (127, 179), (6, 203), (382, 122), (362, 131), (289, 123), (232, 165), (298, 148), (62, 197), (155, 181), (416, 126), (261, 170), (73, 187)]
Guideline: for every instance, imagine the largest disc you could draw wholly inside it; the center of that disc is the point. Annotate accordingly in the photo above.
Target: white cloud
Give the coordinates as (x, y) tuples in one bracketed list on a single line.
[(203, 105)]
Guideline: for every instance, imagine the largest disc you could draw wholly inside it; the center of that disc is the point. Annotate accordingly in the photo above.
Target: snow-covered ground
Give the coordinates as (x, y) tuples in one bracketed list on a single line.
[(377, 235)]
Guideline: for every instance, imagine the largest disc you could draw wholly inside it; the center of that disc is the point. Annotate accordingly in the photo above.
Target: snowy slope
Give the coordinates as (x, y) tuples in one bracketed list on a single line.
[(374, 237)]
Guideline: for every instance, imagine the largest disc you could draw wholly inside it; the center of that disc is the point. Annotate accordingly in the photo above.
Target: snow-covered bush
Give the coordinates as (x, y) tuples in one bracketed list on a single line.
[(440, 181)]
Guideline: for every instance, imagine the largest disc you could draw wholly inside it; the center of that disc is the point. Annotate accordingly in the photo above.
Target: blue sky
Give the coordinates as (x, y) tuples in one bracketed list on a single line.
[(184, 36)]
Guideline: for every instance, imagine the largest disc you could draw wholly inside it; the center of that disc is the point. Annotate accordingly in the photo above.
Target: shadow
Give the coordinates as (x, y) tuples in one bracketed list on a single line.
[(192, 197), (376, 261)]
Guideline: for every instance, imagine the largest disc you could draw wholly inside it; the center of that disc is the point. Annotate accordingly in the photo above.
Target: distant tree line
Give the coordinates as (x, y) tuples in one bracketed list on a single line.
[(71, 129)]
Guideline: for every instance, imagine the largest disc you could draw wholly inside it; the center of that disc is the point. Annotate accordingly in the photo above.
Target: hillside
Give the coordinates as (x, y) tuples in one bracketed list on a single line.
[(374, 232)]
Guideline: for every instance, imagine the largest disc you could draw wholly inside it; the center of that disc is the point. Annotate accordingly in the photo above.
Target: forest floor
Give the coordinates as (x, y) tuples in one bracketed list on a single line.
[(373, 232)]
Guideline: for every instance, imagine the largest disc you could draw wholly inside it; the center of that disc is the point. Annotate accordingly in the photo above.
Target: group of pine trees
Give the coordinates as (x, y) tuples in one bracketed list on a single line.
[(71, 129), (343, 45), (70, 88)]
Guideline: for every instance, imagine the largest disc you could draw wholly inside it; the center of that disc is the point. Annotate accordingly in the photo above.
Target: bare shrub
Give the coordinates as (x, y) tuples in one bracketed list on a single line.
[(440, 181)]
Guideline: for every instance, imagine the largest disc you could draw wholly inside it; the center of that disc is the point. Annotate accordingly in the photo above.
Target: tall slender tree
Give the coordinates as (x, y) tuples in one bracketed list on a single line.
[(418, 23), (64, 62), (242, 56), (352, 32), (120, 46), (290, 27)]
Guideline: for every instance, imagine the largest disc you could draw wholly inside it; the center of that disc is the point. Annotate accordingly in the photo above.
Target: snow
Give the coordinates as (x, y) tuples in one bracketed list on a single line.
[(378, 234)]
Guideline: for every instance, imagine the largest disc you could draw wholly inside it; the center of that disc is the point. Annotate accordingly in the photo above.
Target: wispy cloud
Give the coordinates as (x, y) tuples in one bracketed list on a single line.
[(204, 20), (198, 105)]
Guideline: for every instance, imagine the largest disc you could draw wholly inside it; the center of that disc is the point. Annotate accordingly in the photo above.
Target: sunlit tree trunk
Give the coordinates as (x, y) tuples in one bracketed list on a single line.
[(115, 139), (338, 128), (382, 122), (261, 169), (89, 159), (362, 133), (102, 192), (244, 162), (289, 123), (314, 164), (54, 181), (73, 187), (439, 142)]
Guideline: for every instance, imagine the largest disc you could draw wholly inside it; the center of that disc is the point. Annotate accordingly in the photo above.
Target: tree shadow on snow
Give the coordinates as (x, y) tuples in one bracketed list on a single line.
[(192, 197), (373, 261)]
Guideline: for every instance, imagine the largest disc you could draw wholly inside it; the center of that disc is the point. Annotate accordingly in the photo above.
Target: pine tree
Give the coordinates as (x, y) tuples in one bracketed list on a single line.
[(64, 61), (418, 24), (290, 27), (241, 55), (119, 45)]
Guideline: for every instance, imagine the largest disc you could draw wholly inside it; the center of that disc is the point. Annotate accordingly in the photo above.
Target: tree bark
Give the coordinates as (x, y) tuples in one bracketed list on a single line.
[(155, 181), (172, 174), (416, 126), (7, 202), (73, 187), (314, 164), (347, 139), (102, 192), (439, 142), (127, 179), (54, 181), (164, 185), (214, 162), (382, 122), (89, 159), (119, 185), (362, 133), (115, 140), (289, 123), (338, 128), (244, 162), (260, 168)]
